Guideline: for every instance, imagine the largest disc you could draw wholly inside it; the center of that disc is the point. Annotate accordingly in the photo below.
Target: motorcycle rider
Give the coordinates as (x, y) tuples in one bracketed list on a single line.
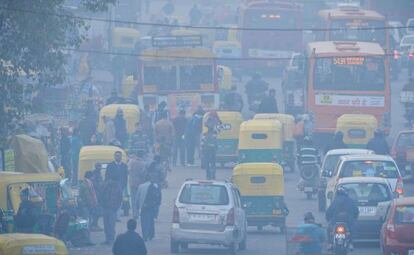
[(342, 209), (311, 236), (337, 142), (378, 144), (256, 88)]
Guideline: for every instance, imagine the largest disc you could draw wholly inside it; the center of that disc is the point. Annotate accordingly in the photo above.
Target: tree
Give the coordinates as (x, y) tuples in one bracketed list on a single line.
[(35, 39)]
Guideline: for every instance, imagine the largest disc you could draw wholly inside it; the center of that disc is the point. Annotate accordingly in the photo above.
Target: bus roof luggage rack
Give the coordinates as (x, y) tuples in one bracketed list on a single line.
[(344, 45)]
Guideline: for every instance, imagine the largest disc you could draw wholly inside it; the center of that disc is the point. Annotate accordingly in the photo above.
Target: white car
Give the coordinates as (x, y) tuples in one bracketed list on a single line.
[(208, 212), (406, 42), (365, 166), (373, 196), (328, 166)]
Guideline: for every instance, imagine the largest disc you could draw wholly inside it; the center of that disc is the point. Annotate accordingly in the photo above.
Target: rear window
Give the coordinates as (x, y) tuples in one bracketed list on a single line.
[(406, 139), (404, 215), (330, 162), (204, 194), (368, 192), (370, 168)]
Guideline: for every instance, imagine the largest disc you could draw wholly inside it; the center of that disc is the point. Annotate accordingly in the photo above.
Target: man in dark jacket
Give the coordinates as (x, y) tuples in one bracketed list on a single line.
[(111, 202), (26, 217), (130, 242), (117, 171), (269, 103), (337, 142), (342, 209), (378, 144)]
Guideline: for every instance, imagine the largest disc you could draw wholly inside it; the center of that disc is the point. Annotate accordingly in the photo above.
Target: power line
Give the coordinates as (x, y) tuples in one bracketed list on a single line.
[(126, 22), (101, 52)]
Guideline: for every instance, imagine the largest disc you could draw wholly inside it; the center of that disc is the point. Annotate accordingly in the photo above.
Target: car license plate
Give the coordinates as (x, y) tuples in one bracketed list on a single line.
[(367, 211), (202, 217), (410, 252)]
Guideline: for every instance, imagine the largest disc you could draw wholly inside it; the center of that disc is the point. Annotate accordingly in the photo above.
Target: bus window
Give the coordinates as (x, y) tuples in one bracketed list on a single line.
[(349, 73), (193, 77), (164, 77)]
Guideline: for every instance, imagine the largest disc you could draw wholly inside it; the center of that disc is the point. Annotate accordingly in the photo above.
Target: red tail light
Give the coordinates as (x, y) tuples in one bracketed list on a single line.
[(391, 230), (340, 229), (396, 54), (176, 215), (410, 55), (399, 188), (230, 217)]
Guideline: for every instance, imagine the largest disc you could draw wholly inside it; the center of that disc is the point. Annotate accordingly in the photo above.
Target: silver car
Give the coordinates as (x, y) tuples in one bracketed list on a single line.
[(373, 196), (208, 212)]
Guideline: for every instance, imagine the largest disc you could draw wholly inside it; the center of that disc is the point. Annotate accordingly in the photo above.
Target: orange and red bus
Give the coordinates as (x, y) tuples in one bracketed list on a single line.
[(267, 43), (350, 23), (346, 77)]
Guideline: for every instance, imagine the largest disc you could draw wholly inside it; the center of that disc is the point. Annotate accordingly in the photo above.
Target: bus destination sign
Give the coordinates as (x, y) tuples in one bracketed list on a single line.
[(348, 61), (177, 41)]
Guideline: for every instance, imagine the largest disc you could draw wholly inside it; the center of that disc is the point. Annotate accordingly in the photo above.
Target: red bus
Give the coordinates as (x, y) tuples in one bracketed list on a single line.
[(270, 43)]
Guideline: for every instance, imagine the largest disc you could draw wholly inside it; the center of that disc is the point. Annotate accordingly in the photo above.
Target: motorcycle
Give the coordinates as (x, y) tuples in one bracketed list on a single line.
[(308, 161), (340, 239)]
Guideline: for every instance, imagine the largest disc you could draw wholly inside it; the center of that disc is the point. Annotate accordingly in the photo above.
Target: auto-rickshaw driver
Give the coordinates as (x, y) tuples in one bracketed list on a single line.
[(26, 217)]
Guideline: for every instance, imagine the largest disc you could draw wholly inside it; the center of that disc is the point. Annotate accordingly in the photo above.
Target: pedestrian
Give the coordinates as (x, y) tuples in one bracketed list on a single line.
[(114, 98), (164, 136), (87, 127), (111, 203), (161, 110), (26, 216), (148, 200), (146, 122), (195, 15), (139, 140), (117, 170), (378, 144), (87, 200), (65, 152), (121, 133), (314, 235), (109, 130), (337, 142), (233, 101), (192, 135), (256, 87), (130, 242), (76, 145), (180, 125), (209, 150), (269, 103), (137, 167), (97, 182)]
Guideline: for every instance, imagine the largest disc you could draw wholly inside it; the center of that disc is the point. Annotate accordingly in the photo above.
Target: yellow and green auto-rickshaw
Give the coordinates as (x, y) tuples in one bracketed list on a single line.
[(131, 115), (261, 187), (228, 136), (261, 141), (358, 129), (289, 142), (124, 39), (36, 244)]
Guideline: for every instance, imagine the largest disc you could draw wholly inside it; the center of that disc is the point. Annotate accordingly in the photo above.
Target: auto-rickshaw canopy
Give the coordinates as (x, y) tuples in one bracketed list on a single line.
[(30, 154), (358, 129), (230, 127), (36, 244), (131, 115), (125, 37), (288, 122), (260, 134), (9, 179), (90, 155), (259, 179)]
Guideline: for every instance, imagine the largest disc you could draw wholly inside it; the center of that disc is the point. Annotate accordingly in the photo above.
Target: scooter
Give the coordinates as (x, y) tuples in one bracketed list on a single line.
[(308, 161)]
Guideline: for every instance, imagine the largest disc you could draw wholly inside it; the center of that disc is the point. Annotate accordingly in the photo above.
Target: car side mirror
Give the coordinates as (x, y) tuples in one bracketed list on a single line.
[(326, 173)]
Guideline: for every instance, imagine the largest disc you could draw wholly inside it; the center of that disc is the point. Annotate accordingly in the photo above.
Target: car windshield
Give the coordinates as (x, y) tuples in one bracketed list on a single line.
[(204, 194), (370, 168), (405, 139), (368, 192), (330, 162), (404, 215), (407, 40)]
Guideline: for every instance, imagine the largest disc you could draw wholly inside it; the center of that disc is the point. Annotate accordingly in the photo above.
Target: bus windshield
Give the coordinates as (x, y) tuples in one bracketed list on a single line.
[(270, 19), (349, 73), (369, 33)]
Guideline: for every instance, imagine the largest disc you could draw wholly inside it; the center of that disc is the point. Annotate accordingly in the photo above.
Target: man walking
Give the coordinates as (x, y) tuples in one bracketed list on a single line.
[(130, 242), (148, 201), (117, 171), (209, 150), (111, 202), (180, 124), (137, 168)]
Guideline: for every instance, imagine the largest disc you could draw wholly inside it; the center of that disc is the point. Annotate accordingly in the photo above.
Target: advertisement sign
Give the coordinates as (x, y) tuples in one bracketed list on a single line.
[(9, 161), (349, 100)]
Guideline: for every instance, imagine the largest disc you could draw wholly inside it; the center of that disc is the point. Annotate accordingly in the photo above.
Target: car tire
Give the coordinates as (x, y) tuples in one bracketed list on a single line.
[(232, 249), (174, 247), (243, 243)]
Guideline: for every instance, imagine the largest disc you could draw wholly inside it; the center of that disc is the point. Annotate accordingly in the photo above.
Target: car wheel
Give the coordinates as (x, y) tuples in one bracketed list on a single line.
[(174, 247), (243, 244)]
